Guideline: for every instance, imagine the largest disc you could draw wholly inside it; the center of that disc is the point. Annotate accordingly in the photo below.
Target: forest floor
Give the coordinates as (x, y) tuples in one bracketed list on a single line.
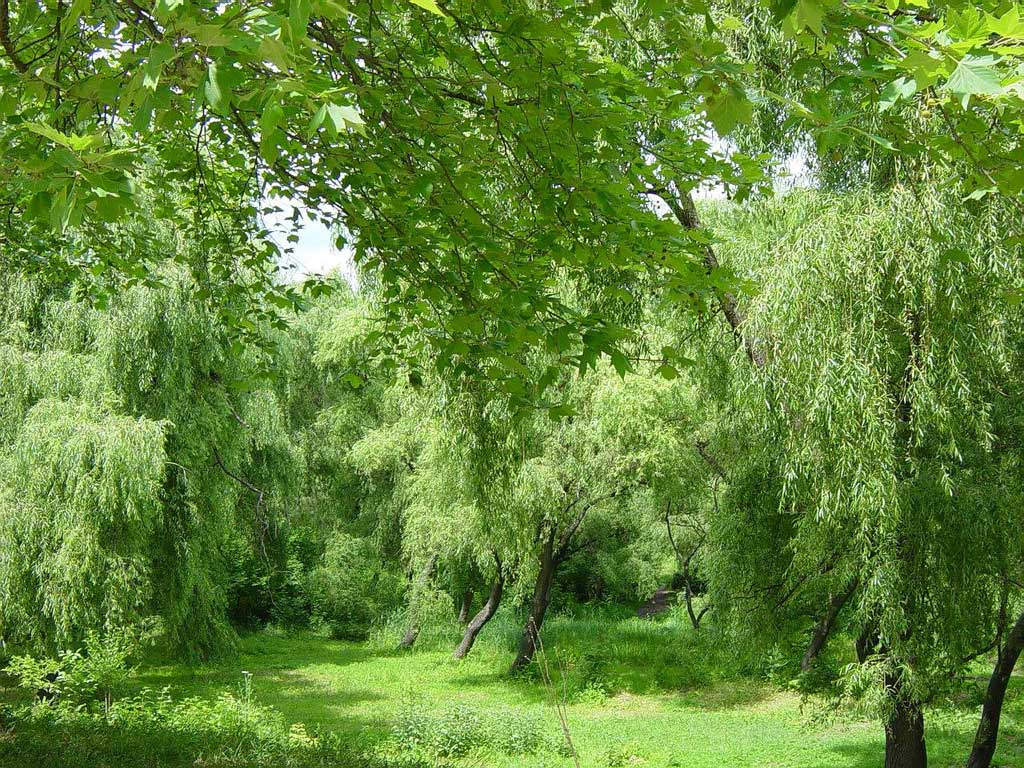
[(635, 693)]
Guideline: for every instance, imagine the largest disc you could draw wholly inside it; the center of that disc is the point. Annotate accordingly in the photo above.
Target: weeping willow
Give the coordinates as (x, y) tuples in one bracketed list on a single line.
[(78, 512), (870, 448), (134, 443)]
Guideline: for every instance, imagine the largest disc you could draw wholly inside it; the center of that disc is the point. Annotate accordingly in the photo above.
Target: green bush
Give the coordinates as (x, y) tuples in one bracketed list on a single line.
[(342, 588), (460, 729), (79, 677), (151, 729), (270, 586)]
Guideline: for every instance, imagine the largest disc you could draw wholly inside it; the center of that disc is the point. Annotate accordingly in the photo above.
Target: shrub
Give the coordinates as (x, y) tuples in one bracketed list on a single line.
[(99, 671), (341, 588), (149, 728), (459, 729), (622, 755), (269, 583)]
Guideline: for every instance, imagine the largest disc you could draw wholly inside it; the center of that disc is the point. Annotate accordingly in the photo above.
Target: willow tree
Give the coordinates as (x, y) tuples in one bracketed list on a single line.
[(135, 443), (878, 434), (623, 437)]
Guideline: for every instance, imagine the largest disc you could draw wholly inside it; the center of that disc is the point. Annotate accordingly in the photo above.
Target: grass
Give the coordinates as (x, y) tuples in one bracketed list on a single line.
[(638, 693)]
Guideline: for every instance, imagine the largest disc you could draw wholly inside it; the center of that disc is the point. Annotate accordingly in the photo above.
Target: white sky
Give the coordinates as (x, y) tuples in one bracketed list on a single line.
[(314, 253)]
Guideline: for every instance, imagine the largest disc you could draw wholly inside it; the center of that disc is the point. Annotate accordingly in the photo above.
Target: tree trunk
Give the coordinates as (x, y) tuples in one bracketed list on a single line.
[(409, 638), (904, 736), (413, 630), (482, 617), (467, 604), (685, 211), (539, 605), (824, 627), (988, 728)]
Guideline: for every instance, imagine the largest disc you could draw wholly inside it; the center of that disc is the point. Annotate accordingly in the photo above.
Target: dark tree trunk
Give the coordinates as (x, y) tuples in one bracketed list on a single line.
[(549, 560), (409, 638), (685, 211), (866, 642), (904, 736), (824, 627), (482, 617), (467, 604), (413, 630), (992, 708)]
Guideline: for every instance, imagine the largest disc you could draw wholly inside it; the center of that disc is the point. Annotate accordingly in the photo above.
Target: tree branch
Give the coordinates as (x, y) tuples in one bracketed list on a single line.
[(5, 37)]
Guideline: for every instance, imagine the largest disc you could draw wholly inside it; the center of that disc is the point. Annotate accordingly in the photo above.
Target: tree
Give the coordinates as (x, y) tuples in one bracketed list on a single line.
[(476, 158), (134, 442), (875, 450), (622, 437)]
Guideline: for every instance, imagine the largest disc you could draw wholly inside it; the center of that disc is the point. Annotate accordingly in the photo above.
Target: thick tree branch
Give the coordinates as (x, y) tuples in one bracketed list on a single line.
[(5, 37), (685, 212), (824, 627)]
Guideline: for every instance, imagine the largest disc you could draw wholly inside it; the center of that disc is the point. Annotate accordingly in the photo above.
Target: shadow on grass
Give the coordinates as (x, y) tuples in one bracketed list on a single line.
[(723, 696), (853, 756)]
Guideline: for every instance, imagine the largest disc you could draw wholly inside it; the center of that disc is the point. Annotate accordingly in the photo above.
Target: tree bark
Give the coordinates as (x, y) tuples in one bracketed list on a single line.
[(549, 560), (413, 630), (988, 728), (824, 627), (904, 736), (467, 604), (409, 638), (483, 616), (685, 211)]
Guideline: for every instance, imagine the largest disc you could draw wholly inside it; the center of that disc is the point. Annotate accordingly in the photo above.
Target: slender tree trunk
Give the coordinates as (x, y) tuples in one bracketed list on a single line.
[(992, 708), (824, 627), (409, 638), (467, 604), (904, 736), (483, 616), (539, 605), (413, 630)]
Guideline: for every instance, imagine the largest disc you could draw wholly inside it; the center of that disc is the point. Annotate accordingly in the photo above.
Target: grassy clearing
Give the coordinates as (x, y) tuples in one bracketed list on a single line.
[(638, 693)]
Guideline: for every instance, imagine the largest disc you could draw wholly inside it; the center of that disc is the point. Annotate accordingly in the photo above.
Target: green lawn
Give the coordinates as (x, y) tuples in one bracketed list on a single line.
[(639, 693)]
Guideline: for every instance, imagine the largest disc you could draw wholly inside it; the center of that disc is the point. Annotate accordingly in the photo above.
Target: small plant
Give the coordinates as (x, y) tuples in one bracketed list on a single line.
[(518, 733), (622, 755), (458, 729), (84, 675)]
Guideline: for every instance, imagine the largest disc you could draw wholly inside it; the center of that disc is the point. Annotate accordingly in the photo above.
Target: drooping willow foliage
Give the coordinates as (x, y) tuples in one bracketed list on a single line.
[(876, 445), (133, 444), (855, 437)]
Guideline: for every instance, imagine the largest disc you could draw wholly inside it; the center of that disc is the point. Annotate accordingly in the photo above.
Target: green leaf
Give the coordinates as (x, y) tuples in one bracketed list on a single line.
[(808, 14), (727, 109), (557, 412), (72, 141), (429, 5), (1009, 24), (213, 88), (273, 114), (316, 121), (667, 371), (898, 90), (343, 117), (974, 76), (924, 68), (620, 362), (298, 17)]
